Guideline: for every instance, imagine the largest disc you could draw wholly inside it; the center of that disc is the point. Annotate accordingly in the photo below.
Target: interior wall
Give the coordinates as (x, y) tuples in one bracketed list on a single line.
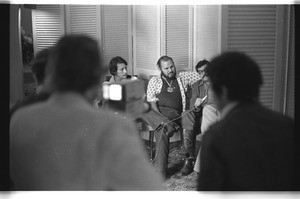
[(155, 18), (16, 65)]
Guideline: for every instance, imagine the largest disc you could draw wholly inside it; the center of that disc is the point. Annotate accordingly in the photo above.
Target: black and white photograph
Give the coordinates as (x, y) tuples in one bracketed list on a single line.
[(162, 99)]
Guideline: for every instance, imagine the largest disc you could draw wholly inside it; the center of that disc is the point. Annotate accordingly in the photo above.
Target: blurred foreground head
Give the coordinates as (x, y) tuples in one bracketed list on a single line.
[(236, 74), (75, 64)]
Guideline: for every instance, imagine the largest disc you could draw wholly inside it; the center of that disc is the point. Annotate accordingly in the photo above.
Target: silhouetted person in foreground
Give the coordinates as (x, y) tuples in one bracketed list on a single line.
[(251, 147), (41, 94), (65, 143)]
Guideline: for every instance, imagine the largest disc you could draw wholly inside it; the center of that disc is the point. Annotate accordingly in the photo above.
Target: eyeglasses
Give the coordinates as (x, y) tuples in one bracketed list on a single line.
[(122, 69)]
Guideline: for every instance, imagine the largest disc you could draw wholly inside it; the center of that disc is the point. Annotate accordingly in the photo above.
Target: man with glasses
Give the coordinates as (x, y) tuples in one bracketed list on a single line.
[(202, 112), (203, 98), (203, 103), (118, 69)]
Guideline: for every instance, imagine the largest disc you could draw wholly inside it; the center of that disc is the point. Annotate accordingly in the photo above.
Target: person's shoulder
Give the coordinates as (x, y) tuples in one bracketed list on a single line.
[(110, 80), (277, 117), (216, 128), (24, 101), (189, 77), (197, 83), (256, 114), (26, 112), (214, 133), (154, 79), (187, 73)]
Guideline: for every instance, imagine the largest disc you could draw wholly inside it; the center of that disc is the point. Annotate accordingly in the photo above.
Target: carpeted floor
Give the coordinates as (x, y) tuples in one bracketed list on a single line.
[(175, 181)]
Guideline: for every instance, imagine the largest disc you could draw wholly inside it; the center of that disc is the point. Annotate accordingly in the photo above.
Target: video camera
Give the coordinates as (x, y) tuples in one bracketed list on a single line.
[(127, 97)]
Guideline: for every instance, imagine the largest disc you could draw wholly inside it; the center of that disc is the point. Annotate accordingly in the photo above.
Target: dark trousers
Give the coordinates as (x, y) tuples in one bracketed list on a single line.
[(191, 121), (162, 136)]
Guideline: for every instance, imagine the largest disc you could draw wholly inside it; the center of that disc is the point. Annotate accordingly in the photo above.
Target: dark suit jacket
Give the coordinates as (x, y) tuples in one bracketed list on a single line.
[(252, 148)]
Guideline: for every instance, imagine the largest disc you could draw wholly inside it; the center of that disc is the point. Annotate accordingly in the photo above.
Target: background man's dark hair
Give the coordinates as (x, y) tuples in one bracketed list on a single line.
[(201, 63), (164, 58), (39, 65), (75, 64), (238, 73), (113, 64)]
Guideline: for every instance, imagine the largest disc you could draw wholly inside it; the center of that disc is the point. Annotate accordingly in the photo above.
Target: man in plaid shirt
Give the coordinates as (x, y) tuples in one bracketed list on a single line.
[(167, 94)]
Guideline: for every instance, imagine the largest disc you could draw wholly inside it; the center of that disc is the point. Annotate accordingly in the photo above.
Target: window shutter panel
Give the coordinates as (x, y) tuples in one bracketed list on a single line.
[(146, 39), (206, 32), (83, 19), (177, 19), (252, 29), (48, 25), (116, 33)]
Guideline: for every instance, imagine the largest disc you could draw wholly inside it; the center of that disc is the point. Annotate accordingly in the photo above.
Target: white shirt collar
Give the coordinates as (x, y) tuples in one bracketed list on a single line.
[(227, 109)]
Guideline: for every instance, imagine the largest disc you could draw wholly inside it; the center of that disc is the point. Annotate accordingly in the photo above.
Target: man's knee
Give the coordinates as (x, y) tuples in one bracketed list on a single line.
[(190, 120)]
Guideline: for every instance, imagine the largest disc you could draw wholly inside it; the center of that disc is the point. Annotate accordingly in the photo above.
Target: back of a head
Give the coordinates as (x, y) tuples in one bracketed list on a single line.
[(39, 65), (238, 73), (113, 64), (75, 64)]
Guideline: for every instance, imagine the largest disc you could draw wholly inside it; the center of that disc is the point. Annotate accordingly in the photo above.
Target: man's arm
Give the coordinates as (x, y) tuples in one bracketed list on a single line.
[(195, 95), (154, 106), (151, 93), (196, 101), (189, 78)]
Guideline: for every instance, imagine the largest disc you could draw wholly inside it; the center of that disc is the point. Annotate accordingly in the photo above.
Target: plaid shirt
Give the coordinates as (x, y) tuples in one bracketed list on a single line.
[(184, 79)]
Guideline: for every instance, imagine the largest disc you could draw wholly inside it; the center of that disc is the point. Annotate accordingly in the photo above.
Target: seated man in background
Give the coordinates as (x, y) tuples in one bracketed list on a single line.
[(167, 95), (251, 148), (202, 112), (66, 144), (38, 71), (204, 101), (118, 70)]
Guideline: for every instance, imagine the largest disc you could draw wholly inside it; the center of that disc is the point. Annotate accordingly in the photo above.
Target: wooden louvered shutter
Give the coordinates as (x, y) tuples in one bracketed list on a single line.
[(48, 25), (207, 33), (116, 23), (252, 29), (83, 19), (177, 35), (146, 39)]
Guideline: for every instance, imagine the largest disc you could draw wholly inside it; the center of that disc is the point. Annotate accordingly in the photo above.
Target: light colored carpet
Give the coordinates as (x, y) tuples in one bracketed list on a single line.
[(175, 181)]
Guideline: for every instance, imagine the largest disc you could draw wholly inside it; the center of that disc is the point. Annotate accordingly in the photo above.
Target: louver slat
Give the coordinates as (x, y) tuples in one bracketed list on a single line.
[(48, 25), (252, 29)]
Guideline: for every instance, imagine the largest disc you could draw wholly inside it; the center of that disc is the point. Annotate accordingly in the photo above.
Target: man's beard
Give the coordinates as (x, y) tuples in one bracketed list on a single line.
[(167, 77)]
